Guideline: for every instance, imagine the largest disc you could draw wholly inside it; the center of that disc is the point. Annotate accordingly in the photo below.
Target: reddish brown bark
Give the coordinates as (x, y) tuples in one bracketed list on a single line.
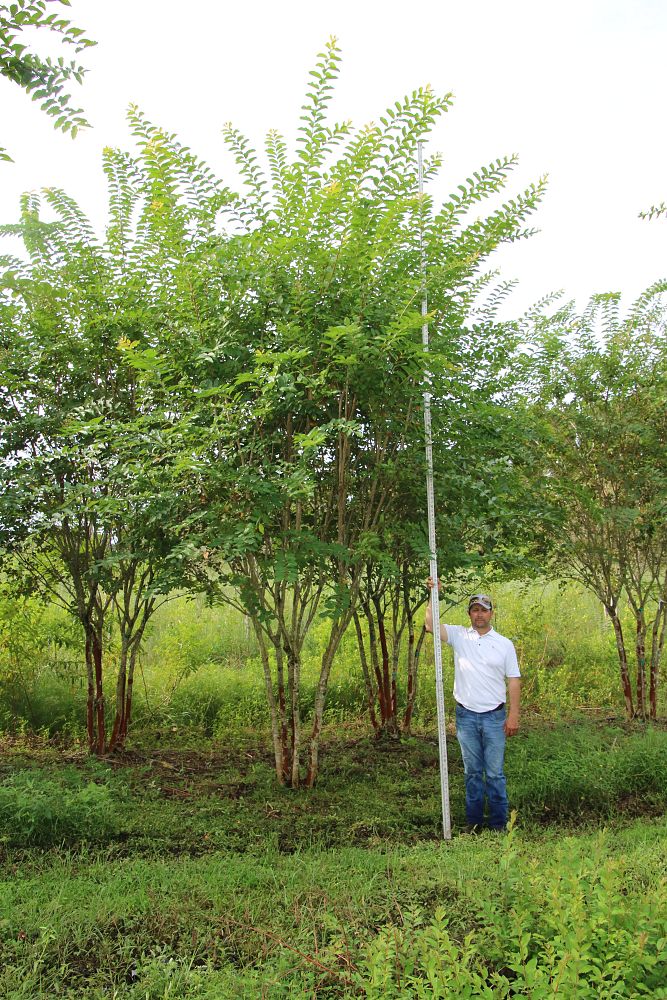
[(114, 739), (640, 648), (90, 700), (623, 660)]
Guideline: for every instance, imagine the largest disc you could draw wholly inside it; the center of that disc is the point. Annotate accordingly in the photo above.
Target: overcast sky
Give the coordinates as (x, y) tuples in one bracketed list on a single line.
[(578, 89)]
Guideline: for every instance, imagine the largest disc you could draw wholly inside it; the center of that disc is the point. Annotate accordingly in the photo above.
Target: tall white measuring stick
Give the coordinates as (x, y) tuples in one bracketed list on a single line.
[(437, 646)]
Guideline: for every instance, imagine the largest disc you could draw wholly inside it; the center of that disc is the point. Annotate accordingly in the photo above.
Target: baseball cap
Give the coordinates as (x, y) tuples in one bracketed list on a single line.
[(483, 599)]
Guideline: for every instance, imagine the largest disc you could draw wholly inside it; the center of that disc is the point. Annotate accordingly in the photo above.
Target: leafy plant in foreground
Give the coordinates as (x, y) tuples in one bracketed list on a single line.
[(37, 810)]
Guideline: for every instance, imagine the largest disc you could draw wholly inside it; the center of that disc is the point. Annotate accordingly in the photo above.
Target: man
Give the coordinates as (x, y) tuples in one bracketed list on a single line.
[(482, 660)]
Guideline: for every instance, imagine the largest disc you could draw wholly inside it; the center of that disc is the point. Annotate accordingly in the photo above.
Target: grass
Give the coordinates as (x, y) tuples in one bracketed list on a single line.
[(35, 809), (321, 923), (213, 882), (200, 669), (370, 792)]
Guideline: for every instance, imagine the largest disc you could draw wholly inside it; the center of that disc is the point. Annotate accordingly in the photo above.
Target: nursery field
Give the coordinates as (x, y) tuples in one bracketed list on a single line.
[(179, 867), (182, 872), (220, 400)]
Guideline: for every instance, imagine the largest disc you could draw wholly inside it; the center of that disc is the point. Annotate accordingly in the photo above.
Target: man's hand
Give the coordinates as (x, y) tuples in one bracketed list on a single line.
[(428, 620), (512, 724)]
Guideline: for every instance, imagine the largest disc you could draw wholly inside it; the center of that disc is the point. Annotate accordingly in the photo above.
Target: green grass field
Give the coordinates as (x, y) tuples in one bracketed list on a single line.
[(188, 873), (181, 869)]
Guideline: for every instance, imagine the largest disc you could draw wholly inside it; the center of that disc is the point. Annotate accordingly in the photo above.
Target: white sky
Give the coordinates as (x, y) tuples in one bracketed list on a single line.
[(577, 88)]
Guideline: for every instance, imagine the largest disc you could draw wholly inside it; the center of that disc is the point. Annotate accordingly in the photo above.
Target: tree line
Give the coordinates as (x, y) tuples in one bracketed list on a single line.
[(223, 395)]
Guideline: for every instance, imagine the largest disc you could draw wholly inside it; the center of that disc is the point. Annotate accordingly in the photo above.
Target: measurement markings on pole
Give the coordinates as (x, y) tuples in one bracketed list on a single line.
[(430, 503)]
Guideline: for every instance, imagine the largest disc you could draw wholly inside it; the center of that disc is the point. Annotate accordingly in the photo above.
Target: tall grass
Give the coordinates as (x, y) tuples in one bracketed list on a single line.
[(35, 809), (200, 670)]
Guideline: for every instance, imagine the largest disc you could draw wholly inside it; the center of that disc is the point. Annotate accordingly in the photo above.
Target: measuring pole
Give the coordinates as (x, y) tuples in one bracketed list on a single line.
[(435, 598)]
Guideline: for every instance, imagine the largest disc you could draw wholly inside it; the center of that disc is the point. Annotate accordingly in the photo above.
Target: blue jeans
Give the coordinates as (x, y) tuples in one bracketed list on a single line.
[(482, 739)]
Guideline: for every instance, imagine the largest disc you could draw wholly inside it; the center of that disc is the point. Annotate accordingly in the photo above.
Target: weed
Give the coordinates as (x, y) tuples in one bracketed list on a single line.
[(34, 809)]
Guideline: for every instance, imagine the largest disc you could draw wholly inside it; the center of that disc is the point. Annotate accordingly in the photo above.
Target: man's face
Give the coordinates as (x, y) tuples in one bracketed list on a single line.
[(480, 618)]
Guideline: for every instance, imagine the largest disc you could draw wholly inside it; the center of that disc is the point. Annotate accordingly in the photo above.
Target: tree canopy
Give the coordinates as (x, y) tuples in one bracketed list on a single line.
[(603, 401), (40, 76), (228, 387)]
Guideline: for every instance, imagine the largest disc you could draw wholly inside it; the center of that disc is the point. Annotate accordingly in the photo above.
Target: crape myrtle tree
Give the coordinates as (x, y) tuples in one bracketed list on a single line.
[(80, 432), (603, 406), (482, 500), (300, 404), (48, 470), (43, 78)]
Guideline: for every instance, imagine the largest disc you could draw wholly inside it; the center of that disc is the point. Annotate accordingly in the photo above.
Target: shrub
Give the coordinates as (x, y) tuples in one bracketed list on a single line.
[(567, 925), (577, 771), (35, 810)]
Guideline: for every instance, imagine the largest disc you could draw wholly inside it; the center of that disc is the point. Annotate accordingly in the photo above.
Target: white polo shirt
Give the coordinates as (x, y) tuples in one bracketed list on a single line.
[(481, 664)]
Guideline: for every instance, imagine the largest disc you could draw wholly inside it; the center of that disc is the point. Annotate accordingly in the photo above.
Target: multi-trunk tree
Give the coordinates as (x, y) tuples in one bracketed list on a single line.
[(231, 384), (483, 501), (301, 404), (78, 438), (603, 406)]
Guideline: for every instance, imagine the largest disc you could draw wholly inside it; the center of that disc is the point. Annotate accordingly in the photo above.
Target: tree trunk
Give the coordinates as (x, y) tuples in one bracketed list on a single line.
[(285, 741), (414, 651), (294, 686), (410, 677), (375, 663), (121, 687), (277, 728), (387, 702), (640, 651), (99, 692), (623, 660), (657, 645), (90, 699), (395, 654), (371, 693), (127, 713), (337, 632)]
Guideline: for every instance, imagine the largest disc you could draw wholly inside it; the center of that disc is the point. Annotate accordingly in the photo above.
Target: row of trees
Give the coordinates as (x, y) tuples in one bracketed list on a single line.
[(602, 397), (224, 395)]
